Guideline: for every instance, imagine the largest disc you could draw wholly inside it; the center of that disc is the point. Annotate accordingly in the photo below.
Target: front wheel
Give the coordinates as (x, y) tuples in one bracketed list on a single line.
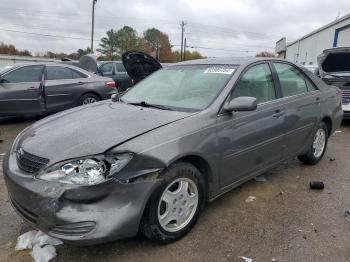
[(88, 99), (175, 207), (318, 147)]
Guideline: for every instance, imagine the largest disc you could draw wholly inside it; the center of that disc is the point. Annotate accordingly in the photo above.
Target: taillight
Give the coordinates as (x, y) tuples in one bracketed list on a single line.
[(111, 84)]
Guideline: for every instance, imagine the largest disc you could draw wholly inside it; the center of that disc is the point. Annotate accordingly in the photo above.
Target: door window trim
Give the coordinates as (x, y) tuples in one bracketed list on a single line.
[(16, 68), (303, 74), (277, 92), (47, 66)]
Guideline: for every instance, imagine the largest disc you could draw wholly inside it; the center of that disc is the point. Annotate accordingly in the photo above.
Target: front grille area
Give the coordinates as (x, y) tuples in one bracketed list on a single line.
[(346, 96), (26, 214), (29, 162)]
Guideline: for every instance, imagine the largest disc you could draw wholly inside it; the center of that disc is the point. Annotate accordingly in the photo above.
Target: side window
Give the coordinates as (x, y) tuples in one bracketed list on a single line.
[(120, 68), (107, 68), (256, 82), (24, 74), (77, 74), (291, 79), (58, 72), (310, 86)]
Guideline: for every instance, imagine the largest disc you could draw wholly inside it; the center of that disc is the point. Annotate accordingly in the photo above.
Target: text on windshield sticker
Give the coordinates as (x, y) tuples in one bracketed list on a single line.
[(219, 70)]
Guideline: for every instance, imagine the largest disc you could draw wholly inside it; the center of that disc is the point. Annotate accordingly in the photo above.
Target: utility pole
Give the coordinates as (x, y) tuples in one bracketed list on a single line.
[(182, 39), (93, 25), (185, 50)]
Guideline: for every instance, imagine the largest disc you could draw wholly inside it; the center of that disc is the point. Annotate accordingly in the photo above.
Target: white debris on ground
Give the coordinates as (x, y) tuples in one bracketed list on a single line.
[(42, 245), (246, 259), (250, 199), (260, 179), (337, 131)]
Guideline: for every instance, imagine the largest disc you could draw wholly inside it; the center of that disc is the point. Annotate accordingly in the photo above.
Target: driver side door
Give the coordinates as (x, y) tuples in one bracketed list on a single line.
[(253, 140), (21, 91)]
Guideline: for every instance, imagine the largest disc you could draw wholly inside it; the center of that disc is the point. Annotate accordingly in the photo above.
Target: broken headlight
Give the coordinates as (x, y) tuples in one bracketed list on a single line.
[(86, 171)]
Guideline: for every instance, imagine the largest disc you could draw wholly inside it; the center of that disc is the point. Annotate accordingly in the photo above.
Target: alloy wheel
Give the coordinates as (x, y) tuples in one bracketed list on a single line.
[(89, 100), (319, 142), (178, 204)]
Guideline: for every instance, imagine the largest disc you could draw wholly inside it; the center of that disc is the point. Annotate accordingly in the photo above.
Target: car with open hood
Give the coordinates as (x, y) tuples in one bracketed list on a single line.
[(334, 69), (188, 133), (35, 89)]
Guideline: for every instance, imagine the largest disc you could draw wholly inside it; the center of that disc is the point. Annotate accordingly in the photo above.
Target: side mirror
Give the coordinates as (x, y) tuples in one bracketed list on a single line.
[(242, 103), (115, 97)]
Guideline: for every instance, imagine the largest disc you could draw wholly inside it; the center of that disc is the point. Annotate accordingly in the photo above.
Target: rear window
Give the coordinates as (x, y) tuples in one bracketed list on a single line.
[(58, 72), (120, 68)]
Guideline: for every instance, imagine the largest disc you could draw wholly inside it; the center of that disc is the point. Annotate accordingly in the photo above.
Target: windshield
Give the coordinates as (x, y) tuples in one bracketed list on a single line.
[(5, 68), (190, 88)]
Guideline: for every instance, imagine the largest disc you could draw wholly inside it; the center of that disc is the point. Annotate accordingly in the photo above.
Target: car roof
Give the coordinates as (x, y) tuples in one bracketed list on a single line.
[(13, 66), (227, 61)]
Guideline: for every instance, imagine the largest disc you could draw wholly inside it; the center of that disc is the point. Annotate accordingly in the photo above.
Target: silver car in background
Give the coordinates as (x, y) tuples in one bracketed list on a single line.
[(34, 89)]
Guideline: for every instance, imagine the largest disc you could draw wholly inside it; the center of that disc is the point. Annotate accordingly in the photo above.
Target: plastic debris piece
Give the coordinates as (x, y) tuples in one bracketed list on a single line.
[(43, 254), (42, 245), (337, 131), (246, 259), (33, 237), (260, 179), (316, 185), (26, 240), (347, 215), (332, 159), (250, 199), (42, 239)]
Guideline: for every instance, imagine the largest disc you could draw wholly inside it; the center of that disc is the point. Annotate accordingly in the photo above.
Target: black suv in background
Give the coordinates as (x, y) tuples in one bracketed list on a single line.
[(116, 71)]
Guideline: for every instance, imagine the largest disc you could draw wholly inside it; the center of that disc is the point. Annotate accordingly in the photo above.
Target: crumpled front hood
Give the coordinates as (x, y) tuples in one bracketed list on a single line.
[(92, 129)]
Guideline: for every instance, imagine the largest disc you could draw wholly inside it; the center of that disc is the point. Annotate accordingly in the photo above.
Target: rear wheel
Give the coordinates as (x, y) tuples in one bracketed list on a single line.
[(318, 147), (88, 99), (175, 207)]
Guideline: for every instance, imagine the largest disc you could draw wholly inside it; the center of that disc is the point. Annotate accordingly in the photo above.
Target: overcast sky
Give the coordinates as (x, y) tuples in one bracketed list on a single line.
[(215, 28)]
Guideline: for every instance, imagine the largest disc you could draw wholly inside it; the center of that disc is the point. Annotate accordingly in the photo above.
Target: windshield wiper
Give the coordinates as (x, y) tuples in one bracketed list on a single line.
[(145, 104)]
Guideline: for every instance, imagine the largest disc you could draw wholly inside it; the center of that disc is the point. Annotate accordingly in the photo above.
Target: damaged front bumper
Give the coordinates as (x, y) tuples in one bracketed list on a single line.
[(81, 215)]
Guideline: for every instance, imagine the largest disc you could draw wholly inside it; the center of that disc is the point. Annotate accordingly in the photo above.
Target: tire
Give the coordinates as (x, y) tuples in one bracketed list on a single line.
[(181, 205), (88, 99), (316, 151)]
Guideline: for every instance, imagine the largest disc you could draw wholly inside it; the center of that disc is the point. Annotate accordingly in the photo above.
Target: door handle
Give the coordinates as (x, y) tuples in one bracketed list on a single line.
[(32, 88), (318, 100), (80, 83), (278, 113)]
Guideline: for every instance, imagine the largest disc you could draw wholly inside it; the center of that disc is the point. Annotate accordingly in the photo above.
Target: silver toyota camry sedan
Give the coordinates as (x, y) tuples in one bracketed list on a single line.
[(187, 134)]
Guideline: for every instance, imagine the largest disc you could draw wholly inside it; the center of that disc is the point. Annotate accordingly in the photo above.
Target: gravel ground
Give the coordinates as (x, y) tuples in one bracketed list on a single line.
[(286, 222)]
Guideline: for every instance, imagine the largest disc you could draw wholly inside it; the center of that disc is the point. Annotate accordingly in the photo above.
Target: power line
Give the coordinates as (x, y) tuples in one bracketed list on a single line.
[(46, 35), (219, 49)]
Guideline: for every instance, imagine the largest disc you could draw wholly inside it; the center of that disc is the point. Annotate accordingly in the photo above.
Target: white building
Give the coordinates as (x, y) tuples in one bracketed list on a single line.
[(306, 49)]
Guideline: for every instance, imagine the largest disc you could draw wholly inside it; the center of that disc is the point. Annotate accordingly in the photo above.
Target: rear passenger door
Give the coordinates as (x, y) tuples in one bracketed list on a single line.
[(63, 87), (302, 104), (251, 141)]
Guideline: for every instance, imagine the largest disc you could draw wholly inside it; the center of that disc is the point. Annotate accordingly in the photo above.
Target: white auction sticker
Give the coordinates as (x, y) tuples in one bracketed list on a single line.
[(219, 70)]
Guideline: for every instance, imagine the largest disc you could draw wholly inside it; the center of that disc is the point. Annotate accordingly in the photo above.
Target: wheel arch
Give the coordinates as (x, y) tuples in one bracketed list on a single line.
[(202, 165), (92, 93), (328, 122)]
